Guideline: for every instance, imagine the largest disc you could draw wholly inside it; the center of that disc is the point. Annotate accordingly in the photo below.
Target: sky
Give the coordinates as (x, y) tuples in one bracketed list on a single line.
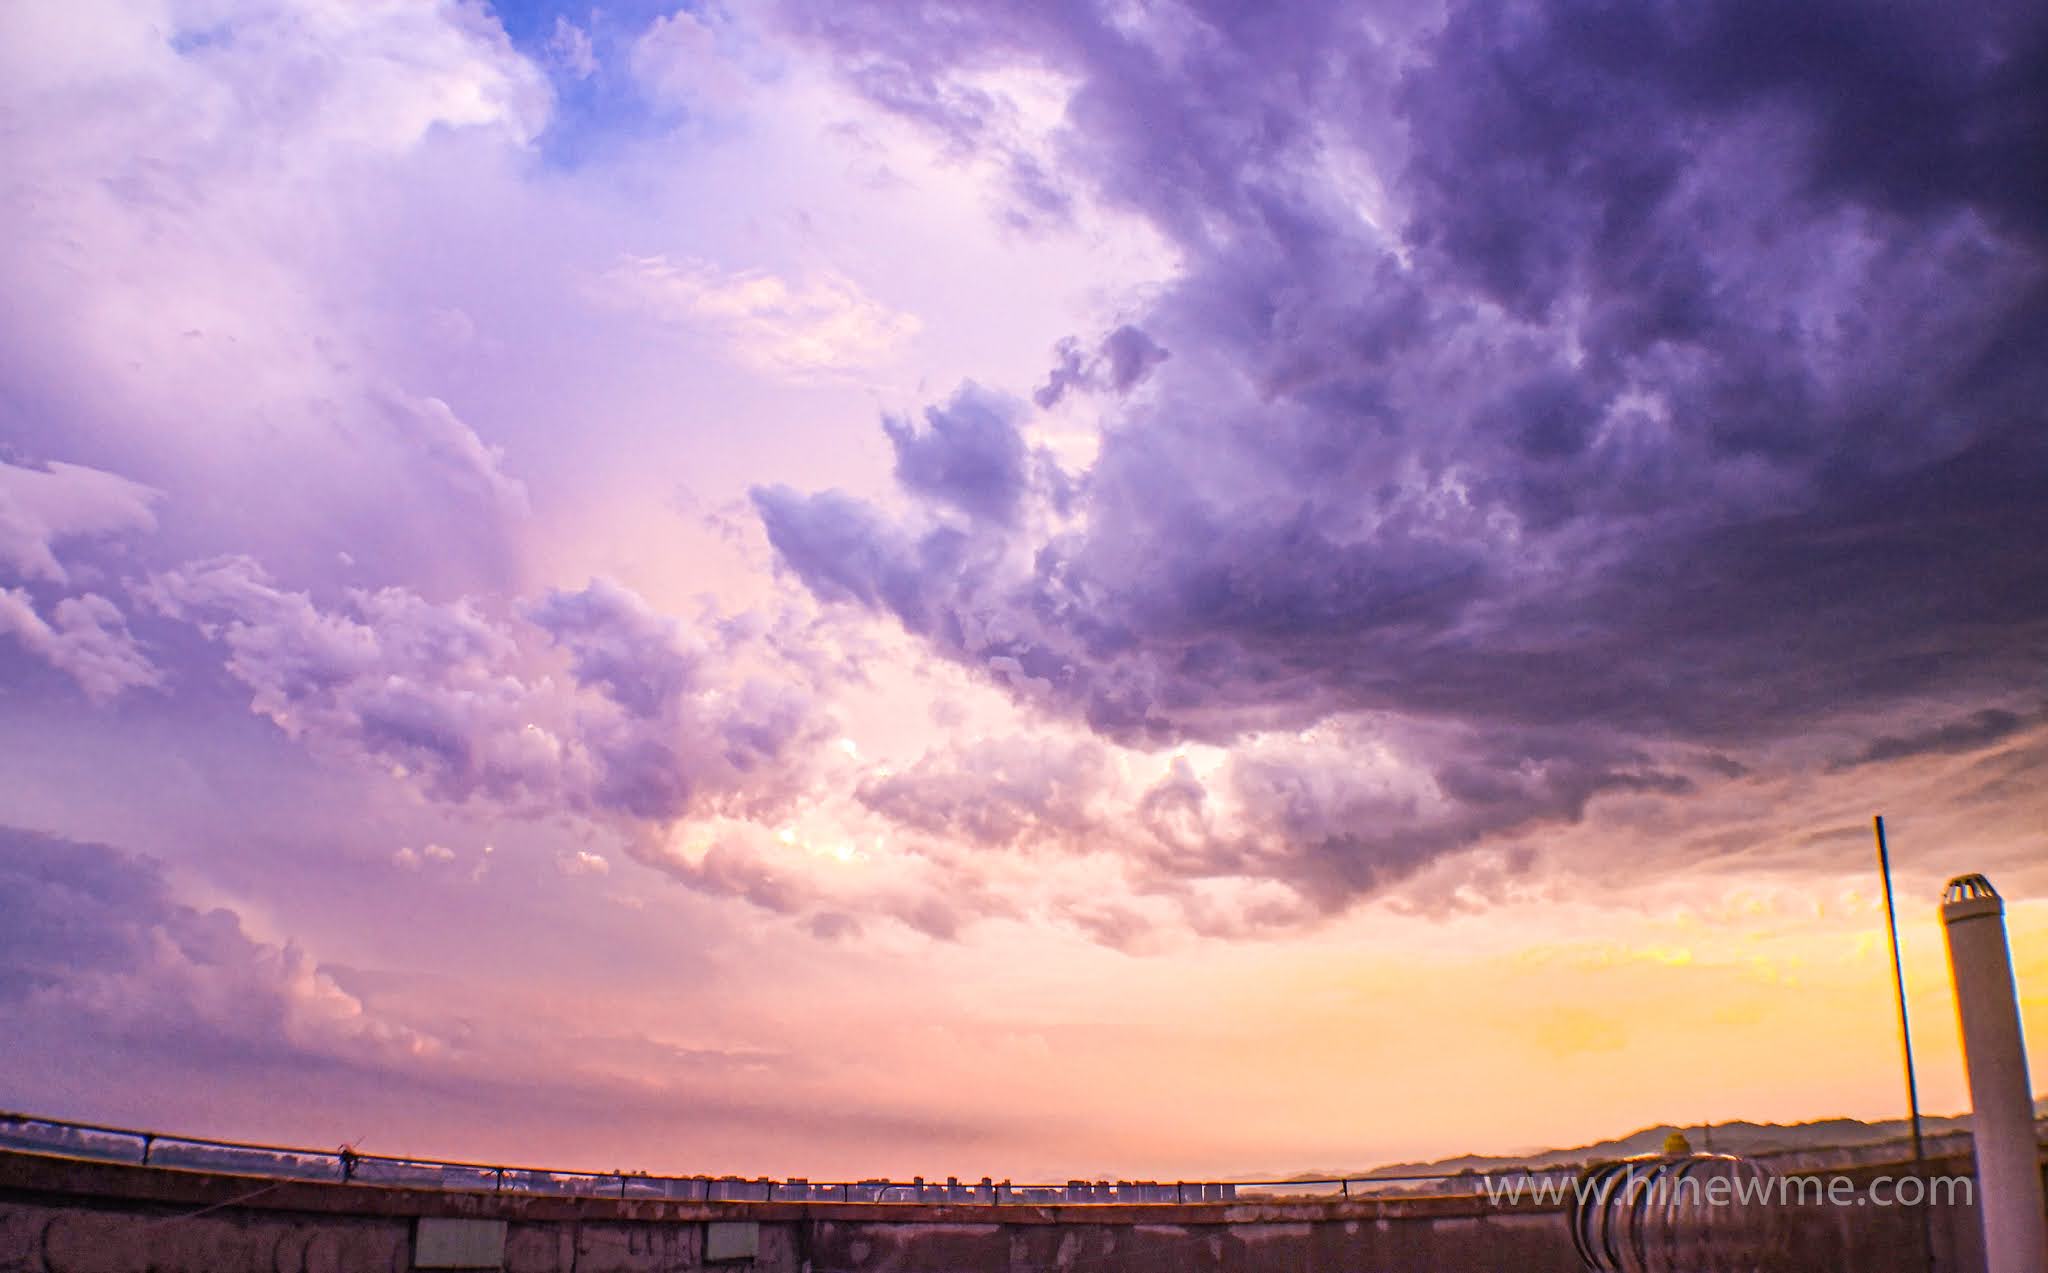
[(1033, 588)]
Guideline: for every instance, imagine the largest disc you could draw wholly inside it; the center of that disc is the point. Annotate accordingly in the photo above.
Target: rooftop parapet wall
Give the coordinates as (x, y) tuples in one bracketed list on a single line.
[(31, 1174), (61, 1215), (70, 1215)]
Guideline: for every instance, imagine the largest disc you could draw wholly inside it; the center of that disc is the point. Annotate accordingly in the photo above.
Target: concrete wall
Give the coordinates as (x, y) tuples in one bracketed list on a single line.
[(74, 1216)]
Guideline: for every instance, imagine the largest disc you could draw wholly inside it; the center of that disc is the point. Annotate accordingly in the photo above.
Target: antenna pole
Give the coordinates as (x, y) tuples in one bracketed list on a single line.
[(1891, 919)]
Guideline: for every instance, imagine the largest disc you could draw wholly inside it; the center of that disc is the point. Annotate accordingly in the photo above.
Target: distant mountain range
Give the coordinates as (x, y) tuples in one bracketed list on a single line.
[(1726, 1138)]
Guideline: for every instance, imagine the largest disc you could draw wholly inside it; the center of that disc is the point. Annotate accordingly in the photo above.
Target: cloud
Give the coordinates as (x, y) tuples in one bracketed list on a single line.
[(105, 969), (678, 61), (682, 741), (619, 646), (996, 793), (86, 639), (1974, 732), (1553, 386), (390, 677), (370, 77), (1359, 810), (969, 456), (846, 550), (411, 859), (1556, 395), (1005, 113), (570, 47), (1277, 830), (654, 729), (93, 937), (467, 461), (582, 862), (230, 323), (85, 635), (819, 326), (1122, 362), (40, 508)]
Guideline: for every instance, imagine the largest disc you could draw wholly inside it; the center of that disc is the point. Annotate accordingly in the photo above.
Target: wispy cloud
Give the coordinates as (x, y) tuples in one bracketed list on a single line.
[(819, 324), (42, 507)]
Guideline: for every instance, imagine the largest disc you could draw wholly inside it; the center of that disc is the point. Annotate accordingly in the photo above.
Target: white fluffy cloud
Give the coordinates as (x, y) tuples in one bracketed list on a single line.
[(583, 862), (678, 62)]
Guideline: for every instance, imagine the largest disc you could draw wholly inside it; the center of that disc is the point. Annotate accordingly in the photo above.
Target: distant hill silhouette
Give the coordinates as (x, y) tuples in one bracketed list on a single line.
[(1726, 1138)]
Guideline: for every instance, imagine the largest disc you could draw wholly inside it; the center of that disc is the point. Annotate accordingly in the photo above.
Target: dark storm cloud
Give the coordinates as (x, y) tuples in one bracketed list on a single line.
[(969, 456), (1120, 364), (1974, 732), (1674, 374), (1324, 816), (843, 549), (1334, 829)]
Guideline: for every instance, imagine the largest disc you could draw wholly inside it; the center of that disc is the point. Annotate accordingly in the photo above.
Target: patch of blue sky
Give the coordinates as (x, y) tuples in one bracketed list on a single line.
[(586, 50), (199, 39), (533, 22)]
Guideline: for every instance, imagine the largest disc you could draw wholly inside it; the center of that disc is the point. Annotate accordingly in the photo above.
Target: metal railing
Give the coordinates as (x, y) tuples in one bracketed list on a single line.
[(346, 1164)]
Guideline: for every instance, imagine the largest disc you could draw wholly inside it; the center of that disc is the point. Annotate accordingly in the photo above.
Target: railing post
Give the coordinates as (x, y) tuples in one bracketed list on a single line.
[(1347, 1188), (1178, 1187), (148, 1141), (499, 1172), (622, 1184)]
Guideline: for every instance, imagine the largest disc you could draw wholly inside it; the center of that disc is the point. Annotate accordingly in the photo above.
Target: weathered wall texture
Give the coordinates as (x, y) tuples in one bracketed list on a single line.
[(69, 1216)]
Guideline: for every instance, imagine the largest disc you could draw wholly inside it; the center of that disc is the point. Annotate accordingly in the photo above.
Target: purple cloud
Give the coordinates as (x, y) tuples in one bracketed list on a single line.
[(997, 793), (969, 456), (1975, 732), (1656, 388), (93, 940), (1345, 811), (85, 637), (41, 508), (389, 677), (618, 645), (1122, 362), (439, 693), (1557, 394)]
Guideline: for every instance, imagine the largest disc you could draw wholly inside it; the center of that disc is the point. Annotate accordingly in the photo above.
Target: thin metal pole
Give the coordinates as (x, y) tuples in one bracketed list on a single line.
[(1891, 919)]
